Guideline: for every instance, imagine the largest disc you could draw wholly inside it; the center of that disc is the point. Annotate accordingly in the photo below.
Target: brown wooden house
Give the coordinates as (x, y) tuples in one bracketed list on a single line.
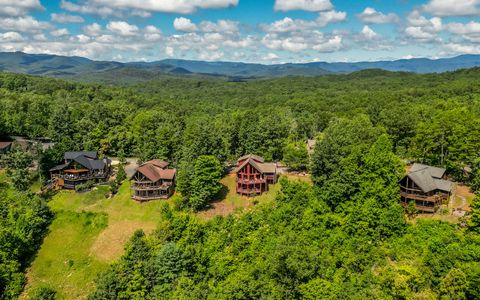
[(427, 186), (80, 167), (153, 180), (254, 175)]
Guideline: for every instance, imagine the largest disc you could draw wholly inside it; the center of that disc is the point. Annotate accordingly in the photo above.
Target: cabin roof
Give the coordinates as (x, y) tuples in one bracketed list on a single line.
[(59, 167), (88, 159), (429, 178), (252, 156), (260, 166), (158, 162), (434, 171), (5, 145), (74, 154), (155, 170)]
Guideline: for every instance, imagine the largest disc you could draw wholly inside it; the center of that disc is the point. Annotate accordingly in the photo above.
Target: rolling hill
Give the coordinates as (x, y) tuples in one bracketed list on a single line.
[(84, 69)]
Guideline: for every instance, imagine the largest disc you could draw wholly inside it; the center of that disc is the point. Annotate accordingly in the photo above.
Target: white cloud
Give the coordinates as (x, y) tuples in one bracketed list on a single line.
[(11, 36), (211, 55), (368, 33), (225, 26), (93, 29), (372, 16), (60, 32), (270, 57), (445, 8), (457, 48), (65, 18), (422, 29), (169, 51), (152, 30), (330, 45), (16, 8), (184, 24), (23, 24), (307, 5), (332, 16), (469, 31), (89, 8), (140, 8), (152, 33), (370, 40), (40, 37), (122, 28), (314, 40), (290, 25)]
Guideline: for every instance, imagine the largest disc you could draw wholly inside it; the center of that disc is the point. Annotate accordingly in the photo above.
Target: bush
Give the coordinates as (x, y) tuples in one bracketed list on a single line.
[(84, 186), (43, 293), (121, 175), (113, 187)]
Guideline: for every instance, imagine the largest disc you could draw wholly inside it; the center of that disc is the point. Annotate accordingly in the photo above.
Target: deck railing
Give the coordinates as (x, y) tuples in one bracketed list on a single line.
[(250, 181), (148, 198)]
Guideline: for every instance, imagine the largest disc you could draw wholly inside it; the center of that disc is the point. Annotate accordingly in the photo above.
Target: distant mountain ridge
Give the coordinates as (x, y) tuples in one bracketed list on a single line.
[(81, 68)]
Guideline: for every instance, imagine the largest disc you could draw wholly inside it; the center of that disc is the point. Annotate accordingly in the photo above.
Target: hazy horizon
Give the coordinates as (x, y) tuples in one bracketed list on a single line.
[(267, 32)]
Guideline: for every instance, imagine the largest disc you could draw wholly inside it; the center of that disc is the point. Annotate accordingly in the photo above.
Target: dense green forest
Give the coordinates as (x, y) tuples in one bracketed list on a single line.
[(344, 237)]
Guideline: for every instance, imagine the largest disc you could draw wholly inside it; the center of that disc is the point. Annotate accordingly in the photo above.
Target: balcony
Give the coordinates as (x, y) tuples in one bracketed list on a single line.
[(432, 198), (138, 187), (150, 198), (250, 181), (79, 177)]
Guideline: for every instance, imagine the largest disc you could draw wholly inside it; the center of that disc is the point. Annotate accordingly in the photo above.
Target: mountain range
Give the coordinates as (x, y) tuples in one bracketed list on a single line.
[(84, 69)]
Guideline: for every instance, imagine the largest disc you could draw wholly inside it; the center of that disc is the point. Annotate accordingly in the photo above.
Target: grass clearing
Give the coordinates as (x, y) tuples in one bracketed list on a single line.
[(88, 232), (63, 262)]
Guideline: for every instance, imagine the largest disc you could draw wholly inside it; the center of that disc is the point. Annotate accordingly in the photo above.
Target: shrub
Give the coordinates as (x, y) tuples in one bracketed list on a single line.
[(84, 186), (43, 293)]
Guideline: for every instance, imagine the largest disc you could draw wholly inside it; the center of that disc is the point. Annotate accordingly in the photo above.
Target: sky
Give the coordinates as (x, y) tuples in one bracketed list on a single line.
[(257, 31)]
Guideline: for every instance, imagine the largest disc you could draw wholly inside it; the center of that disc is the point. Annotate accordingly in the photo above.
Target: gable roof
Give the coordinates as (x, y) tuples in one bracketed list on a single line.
[(158, 162), (434, 171), (429, 178), (59, 167), (74, 154), (154, 171), (252, 156), (260, 166), (5, 145)]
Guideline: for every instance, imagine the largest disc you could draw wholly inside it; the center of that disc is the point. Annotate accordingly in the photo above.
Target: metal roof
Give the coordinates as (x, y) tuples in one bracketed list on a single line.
[(434, 171), (74, 154), (429, 178), (59, 167)]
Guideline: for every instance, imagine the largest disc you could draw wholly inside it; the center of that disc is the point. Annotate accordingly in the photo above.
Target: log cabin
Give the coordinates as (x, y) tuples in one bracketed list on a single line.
[(153, 180), (427, 186), (253, 175), (80, 167)]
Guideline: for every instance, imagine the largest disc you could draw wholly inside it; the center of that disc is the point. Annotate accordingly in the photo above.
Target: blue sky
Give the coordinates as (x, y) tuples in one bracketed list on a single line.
[(264, 31)]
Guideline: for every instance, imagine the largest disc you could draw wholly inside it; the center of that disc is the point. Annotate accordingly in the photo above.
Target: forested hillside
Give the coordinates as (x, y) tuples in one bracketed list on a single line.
[(343, 237)]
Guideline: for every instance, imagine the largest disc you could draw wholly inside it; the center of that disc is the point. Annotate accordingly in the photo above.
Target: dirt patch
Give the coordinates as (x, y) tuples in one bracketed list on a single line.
[(109, 245), (223, 208)]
